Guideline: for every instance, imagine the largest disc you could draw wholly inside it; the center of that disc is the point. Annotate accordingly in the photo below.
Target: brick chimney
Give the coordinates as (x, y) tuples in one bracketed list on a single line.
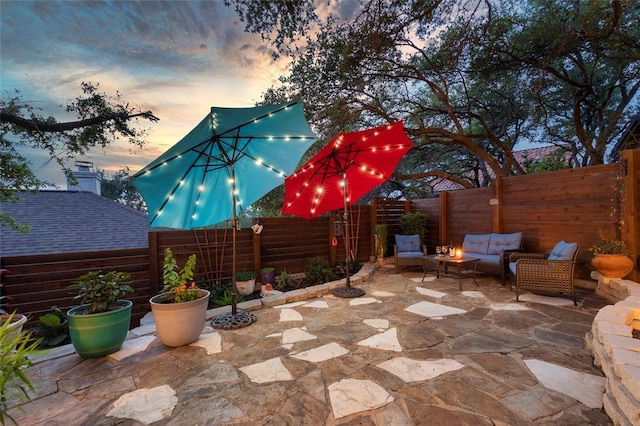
[(87, 179)]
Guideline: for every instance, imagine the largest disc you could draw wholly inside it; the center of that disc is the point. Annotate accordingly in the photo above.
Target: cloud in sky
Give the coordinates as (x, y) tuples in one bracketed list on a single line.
[(176, 58)]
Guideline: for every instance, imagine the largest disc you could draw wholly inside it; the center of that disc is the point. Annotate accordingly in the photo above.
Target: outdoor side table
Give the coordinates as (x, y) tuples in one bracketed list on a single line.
[(460, 264)]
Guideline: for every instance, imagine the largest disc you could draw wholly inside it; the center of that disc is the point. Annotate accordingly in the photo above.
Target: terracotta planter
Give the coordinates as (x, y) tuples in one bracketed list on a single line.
[(179, 324), (612, 265)]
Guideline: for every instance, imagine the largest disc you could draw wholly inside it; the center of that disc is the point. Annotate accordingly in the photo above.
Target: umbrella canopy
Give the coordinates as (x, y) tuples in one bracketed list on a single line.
[(241, 151), (229, 160), (348, 167), (363, 159)]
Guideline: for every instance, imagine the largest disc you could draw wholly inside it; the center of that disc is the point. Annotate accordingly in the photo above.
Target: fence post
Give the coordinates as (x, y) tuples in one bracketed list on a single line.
[(496, 203), (374, 222), (443, 197), (256, 252), (154, 281), (630, 227)]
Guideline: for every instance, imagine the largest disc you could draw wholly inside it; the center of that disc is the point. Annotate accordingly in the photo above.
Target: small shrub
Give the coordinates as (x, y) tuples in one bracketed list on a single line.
[(318, 271), (283, 281), (225, 298), (245, 276), (414, 223)]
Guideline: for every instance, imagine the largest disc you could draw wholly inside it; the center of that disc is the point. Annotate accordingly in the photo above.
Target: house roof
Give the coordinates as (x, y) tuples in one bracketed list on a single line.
[(71, 221), (532, 154), (629, 139)]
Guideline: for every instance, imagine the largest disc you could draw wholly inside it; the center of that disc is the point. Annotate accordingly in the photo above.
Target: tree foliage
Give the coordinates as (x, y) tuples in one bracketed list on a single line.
[(470, 78), (101, 119), (119, 187)]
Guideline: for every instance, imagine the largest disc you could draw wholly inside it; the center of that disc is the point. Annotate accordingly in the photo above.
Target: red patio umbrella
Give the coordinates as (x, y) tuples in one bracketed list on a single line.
[(358, 161)]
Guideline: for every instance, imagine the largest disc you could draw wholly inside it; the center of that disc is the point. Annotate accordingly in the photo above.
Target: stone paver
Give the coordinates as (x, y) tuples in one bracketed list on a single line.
[(407, 353)]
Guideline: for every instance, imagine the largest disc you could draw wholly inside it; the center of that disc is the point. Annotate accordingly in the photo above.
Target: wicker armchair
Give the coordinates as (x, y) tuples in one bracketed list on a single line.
[(408, 251), (551, 272)]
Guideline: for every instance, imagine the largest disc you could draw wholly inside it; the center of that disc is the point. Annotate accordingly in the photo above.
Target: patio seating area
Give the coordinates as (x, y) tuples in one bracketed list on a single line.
[(408, 352)]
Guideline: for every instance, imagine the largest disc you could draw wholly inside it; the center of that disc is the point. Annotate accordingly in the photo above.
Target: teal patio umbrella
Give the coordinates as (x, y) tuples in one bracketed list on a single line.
[(232, 158)]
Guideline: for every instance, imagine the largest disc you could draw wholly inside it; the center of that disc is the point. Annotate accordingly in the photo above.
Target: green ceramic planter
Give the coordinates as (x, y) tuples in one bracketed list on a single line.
[(98, 335)]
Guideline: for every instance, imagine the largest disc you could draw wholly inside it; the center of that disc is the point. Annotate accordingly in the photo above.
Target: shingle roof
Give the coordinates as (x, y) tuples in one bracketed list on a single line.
[(71, 221)]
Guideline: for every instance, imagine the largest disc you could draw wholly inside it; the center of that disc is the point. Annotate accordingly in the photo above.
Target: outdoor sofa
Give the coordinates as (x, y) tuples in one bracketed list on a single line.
[(493, 250)]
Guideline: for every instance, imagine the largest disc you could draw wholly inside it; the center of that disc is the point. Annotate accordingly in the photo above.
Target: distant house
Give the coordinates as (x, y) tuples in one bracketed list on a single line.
[(629, 139), (532, 155), (71, 221)]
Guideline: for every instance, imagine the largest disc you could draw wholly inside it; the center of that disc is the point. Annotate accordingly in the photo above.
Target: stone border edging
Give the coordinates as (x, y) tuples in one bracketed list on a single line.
[(311, 292), (614, 349)]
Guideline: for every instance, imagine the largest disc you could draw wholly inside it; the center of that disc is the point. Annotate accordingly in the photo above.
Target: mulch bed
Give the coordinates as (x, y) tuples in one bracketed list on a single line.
[(296, 283)]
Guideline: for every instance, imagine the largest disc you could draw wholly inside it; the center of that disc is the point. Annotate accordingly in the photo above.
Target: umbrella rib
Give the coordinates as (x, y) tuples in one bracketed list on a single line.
[(193, 164), (237, 128)]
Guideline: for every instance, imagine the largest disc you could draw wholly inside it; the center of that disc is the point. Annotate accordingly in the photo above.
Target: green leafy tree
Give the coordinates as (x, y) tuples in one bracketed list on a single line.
[(554, 161), (118, 187), (470, 78), (101, 120)]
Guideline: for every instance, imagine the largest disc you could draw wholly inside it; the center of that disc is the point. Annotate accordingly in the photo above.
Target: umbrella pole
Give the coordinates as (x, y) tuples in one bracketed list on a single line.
[(347, 291), (345, 216), (233, 319), (234, 290)]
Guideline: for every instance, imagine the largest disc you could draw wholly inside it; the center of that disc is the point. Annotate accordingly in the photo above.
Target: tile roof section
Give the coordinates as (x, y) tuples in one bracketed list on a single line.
[(71, 221), (534, 154)]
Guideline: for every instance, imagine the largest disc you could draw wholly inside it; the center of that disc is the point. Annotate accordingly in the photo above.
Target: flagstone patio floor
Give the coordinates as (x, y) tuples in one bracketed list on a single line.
[(406, 353)]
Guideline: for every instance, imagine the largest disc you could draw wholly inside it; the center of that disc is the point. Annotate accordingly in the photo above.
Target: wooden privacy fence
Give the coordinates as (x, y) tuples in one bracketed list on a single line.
[(571, 205), (285, 243), (36, 283), (574, 205)]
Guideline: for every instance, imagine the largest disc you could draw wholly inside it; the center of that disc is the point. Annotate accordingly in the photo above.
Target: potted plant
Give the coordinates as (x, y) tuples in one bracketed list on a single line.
[(611, 257), (180, 310), (246, 282), (380, 233), (16, 350), (12, 323), (100, 324), (268, 275)]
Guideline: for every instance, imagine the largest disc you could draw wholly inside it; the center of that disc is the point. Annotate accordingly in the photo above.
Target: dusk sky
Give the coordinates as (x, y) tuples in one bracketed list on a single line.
[(176, 58)]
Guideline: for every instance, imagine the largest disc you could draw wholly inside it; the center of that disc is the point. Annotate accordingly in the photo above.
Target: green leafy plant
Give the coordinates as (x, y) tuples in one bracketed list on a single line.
[(178, 285), (53, 329), (608, 244), (380, 232), (101, 291), (16, 351), (245, 275), (318, 271), (226, 298), (283, 280), (414, 223), (268, 269)]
